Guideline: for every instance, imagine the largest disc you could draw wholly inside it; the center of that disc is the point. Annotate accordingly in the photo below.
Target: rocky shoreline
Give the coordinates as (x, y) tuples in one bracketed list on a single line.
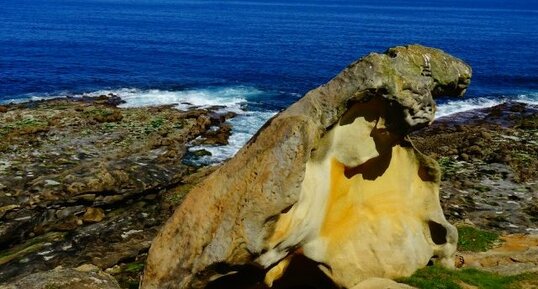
[(85, 182), (490, 166)]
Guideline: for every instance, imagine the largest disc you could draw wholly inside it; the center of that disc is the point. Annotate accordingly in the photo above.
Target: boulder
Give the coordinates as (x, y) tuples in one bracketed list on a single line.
[(331, 188)]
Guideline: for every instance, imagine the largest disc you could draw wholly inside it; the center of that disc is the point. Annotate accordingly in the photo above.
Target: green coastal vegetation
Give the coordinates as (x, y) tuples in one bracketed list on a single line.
[(437, 277), (475, 240)]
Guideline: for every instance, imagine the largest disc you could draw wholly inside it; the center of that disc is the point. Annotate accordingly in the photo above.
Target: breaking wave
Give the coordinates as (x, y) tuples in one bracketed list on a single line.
[(252, 106), (233, 98), (455, 106)]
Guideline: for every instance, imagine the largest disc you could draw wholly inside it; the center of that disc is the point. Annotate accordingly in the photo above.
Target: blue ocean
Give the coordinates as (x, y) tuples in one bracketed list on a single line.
[(254, 57)]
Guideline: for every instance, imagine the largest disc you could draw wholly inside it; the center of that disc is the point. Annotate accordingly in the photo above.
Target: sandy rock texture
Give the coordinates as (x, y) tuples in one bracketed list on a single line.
[(329, 188)]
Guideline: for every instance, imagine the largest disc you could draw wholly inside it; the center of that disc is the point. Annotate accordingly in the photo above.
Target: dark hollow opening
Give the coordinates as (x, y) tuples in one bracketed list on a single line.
[(246, 277), (438, 232), (302, 273)]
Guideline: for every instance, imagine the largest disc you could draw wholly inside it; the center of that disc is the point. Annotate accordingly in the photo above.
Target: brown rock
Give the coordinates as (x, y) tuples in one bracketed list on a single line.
[(330, 179), (107, 115), (219, 136), (93, 215)]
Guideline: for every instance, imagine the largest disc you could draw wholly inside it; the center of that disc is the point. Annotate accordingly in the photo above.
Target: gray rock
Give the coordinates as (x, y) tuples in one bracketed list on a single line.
[(69, 211), (61, 278)]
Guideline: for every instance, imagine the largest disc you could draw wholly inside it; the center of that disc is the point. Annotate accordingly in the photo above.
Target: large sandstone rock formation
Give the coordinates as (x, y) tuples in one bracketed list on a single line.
[(329, 192)]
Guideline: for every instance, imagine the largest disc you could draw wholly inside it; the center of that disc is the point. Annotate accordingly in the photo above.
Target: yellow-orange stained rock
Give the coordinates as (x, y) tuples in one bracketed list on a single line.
[(308, 183)]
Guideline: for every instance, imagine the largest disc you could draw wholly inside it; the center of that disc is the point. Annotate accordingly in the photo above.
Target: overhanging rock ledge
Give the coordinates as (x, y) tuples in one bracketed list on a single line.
[(328, 193)]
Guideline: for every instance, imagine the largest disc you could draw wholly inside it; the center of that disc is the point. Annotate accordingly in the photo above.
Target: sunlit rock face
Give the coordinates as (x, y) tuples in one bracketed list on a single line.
[(366, 208), (330, 188)]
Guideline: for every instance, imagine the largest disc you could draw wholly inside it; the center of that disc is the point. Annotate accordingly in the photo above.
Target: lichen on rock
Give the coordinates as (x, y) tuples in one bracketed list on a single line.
[(331, 185)]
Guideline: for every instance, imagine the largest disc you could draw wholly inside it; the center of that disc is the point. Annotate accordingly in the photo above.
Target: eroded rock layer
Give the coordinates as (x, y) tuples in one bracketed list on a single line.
[(330, 186)]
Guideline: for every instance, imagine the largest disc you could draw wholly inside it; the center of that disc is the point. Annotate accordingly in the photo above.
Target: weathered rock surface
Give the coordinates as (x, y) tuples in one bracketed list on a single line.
[(83, 181), (489, 163), (329, 187), (64, 278)]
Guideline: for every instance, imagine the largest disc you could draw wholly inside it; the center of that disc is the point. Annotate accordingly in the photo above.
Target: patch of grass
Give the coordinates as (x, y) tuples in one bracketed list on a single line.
[(436, 277), (433, 277), (134, 267), (24, 126), (475, 240), (86, 132), (108, 127), (154, 124), (104, 114), (28, 125), (28, 122), (5, 129), (176, 196), (449, 167)]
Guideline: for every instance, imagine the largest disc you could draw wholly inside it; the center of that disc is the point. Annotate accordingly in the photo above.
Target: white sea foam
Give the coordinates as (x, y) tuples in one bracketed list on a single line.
[(234, 98), (246, 123), (230, 97), (455, 106), (30, 98), (244, 127)]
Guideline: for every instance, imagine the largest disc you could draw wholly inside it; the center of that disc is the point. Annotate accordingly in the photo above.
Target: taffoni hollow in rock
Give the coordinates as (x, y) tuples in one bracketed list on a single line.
[(328, 192)]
